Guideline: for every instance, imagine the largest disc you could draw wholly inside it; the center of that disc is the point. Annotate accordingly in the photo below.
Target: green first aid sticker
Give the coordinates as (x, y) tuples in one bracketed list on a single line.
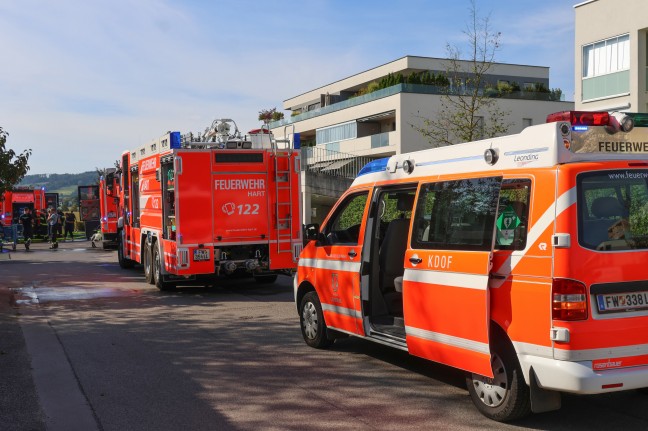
[(506, 224)]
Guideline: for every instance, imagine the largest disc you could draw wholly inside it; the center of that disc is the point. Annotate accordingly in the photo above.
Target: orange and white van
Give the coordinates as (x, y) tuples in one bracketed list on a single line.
[(520, 259)]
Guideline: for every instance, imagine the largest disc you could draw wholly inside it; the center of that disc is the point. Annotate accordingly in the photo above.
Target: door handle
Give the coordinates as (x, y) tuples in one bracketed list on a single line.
[(352, 253), (497, 276), (415, 260)]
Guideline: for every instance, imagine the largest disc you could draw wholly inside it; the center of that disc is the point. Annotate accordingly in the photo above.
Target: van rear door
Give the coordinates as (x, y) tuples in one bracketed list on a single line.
[(445, 287)]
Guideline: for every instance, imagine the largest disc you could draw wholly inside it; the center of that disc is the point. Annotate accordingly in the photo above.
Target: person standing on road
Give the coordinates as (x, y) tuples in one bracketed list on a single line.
[(52, 221), (61, 221), (70, 219), (26, 219)]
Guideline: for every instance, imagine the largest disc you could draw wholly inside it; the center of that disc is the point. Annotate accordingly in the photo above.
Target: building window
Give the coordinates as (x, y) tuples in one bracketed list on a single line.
[(608, 56), (606, 68), (337, 133)]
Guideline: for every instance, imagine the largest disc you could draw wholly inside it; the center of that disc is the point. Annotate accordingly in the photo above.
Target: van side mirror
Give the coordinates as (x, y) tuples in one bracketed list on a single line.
[(311, 232)]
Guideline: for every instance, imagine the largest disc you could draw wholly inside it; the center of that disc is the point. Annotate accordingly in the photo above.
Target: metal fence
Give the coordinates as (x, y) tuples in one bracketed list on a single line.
[(328, 162)]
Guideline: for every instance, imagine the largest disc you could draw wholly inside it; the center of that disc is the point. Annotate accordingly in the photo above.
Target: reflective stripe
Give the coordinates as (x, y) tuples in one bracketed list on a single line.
[(462, 343), (330, 264), (342, 310), (454, 279), (603, 353)]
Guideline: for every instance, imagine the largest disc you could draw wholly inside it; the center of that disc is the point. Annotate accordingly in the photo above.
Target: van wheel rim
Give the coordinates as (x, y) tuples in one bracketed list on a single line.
[(309, 316), (492, 392)]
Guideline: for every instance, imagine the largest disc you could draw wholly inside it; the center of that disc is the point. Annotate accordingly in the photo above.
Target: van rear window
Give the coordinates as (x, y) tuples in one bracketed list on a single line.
[(613, 210)]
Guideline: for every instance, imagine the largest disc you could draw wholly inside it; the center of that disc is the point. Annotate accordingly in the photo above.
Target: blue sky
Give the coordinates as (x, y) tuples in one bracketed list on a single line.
[(81, 81)]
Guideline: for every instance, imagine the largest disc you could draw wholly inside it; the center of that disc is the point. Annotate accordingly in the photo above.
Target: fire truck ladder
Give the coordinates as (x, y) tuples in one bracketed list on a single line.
[(284, 192)]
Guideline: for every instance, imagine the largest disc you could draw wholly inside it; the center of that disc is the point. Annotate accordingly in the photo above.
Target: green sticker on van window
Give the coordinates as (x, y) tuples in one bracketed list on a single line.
[(506, 224)]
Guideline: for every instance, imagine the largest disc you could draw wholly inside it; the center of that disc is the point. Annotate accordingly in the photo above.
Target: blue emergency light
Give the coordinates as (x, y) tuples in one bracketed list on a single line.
[(175, 140), (379, 165)]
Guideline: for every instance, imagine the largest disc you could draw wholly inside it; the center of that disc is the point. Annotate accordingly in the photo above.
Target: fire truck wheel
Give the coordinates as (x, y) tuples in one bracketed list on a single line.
[(506, 396), (160, 283), (148, 265), (311, 318), (265, 279), (124, 263)]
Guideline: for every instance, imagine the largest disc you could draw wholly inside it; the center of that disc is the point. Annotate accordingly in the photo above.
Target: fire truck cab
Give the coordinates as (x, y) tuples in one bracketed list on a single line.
[(198, 206), (520, 260)]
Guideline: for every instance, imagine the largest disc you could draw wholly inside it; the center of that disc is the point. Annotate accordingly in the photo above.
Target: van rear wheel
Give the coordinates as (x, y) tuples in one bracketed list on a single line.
[(506, 396), (312, 323)]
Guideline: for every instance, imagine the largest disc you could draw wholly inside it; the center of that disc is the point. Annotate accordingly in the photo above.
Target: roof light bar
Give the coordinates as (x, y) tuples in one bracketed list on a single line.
[(580, 118)]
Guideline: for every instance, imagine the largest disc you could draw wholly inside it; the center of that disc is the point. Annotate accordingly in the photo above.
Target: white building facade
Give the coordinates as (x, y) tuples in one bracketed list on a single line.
[(379, 124), (611, 71)]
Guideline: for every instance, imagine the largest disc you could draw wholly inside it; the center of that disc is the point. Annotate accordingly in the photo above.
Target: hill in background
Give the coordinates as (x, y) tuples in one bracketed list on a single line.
[(63, 184)]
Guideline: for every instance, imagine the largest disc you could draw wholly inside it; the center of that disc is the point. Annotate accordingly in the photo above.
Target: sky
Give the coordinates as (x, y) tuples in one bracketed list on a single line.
[(82, 81)]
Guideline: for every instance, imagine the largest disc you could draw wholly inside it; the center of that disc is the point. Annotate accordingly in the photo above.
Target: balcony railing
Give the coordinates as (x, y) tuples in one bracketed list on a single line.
[(402, 88), (327, 162)]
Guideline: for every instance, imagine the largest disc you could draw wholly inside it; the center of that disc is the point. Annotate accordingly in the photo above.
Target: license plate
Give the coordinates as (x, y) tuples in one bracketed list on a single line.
[(622, 302), (200, 254)]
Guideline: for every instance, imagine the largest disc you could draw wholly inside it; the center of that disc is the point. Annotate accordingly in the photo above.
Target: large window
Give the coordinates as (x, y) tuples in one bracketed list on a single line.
[(337, 133), (613, 210), (606, 68), (457, 215), (608, 56), (344, 225)]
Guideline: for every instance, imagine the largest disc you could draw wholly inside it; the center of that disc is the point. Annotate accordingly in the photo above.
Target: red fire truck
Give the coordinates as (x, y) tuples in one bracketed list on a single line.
[(198, 206), (21, 197), (89, 212), (108, 202)]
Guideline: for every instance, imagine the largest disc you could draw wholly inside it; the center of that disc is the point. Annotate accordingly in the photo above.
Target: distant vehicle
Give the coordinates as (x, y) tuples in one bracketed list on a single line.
[(89, 212), (108, 204), (21, 197)]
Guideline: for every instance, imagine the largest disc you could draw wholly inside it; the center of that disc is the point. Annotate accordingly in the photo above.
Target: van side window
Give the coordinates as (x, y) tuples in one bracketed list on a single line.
[(512, 221), (344, 225), (456, 215)]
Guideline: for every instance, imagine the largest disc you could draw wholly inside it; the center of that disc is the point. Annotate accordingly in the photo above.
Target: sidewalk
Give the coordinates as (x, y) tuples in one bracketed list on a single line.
[(19, 404)]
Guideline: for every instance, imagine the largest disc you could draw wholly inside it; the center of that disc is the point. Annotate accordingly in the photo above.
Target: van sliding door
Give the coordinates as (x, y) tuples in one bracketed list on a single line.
[(445, 287)]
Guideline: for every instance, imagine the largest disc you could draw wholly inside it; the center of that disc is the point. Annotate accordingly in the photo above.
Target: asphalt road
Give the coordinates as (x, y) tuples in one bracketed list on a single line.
[(85, 345)]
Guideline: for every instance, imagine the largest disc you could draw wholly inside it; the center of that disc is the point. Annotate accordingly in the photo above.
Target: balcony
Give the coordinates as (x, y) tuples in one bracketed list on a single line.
[(396, 89)]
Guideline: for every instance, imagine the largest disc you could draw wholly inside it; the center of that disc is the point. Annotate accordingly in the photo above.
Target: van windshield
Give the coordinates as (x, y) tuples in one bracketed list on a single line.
[(613, 210)]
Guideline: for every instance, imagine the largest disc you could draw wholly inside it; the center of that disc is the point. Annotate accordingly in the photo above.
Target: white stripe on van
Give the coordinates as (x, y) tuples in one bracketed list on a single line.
[(454, 279), (342, 310), (462, 343), (331, 264)]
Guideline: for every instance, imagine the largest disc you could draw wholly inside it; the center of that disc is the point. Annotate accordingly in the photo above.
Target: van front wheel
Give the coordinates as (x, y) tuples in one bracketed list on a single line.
[(312, 323), (506, 396)]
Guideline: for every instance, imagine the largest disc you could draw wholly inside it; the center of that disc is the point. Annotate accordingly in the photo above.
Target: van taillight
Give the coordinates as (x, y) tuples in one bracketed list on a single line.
[(569, 299)]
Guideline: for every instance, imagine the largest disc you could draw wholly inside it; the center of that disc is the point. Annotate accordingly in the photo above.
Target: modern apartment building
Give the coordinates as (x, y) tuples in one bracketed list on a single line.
[(611, 70), (346, 121)]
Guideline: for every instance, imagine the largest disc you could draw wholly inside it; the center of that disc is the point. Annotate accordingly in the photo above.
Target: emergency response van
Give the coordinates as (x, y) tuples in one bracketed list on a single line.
[(199, 206), (520, 259)]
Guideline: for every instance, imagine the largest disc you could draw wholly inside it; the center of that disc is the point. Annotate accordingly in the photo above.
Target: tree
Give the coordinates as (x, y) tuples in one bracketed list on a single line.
[(467, 113), (13, 167), (268, 115)]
